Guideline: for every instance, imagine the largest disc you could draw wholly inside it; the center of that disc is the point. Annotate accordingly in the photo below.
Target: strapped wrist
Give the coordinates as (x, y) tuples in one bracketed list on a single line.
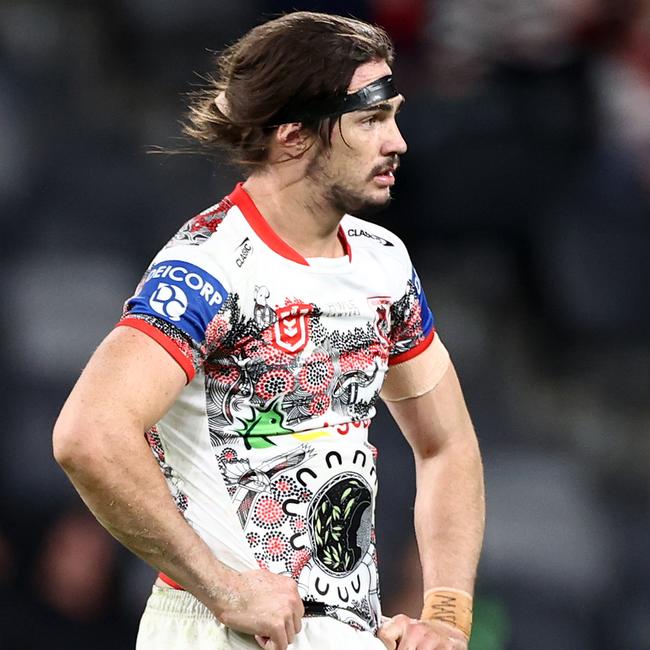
[(448, 605)]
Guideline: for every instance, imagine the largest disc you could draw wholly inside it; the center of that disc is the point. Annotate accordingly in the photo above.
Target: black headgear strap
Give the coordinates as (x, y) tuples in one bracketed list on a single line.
[(317, 109)]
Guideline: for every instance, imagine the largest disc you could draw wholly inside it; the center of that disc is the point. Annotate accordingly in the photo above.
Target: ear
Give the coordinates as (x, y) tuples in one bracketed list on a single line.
[(293, 138)]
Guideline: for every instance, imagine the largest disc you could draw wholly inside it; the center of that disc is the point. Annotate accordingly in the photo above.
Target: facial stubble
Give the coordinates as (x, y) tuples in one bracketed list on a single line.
[(343, 198)]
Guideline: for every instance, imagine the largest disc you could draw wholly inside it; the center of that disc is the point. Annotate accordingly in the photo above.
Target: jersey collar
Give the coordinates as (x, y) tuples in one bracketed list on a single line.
[(242, 199)]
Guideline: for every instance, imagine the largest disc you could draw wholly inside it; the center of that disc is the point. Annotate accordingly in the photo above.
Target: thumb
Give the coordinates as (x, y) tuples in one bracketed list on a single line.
[(391, 632), (265, 642), (388, 641)]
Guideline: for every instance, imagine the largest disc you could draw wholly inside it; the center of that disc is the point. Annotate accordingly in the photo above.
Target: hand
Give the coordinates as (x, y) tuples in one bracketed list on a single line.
[(404, 633), (263, 604)]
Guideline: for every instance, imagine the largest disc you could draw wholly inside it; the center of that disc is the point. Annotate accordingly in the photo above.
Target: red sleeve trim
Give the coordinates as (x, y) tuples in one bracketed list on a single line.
[(413, 352), (164, 341), (167, 580)]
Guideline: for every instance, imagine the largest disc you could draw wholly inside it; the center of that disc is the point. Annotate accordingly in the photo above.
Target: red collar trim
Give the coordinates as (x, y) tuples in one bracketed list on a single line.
[(240, 197), (344, 241), (260, 225)]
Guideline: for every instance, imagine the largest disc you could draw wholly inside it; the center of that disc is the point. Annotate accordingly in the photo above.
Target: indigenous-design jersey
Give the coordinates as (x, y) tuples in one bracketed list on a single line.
[(266, 449)]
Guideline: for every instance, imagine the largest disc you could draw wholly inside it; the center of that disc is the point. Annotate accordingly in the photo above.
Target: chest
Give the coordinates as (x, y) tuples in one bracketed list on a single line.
[(317, 342), (342, 295)]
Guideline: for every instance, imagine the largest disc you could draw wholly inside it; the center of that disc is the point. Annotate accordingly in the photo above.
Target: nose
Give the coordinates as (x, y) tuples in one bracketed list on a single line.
[(394, 142)]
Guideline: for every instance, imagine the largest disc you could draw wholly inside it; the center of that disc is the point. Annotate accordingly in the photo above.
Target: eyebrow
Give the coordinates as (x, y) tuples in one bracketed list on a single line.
[(384, 107)]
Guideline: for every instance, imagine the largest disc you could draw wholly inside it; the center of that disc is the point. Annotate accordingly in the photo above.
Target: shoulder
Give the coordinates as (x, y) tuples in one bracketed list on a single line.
[(202, 226), (188, 281), (207, 240)]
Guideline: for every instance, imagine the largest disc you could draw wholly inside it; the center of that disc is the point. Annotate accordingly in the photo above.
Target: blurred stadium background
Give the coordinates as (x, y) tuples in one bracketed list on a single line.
[(524, 198)]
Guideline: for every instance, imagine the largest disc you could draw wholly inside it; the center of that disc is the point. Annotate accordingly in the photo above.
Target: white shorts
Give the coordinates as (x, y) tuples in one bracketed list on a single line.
[(176, 620)]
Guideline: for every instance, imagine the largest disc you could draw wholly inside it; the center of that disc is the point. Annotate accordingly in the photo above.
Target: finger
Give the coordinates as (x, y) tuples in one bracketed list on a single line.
[(448, 643), (290, 629), (416, 636), (279, 638), (298, 613), (389, 643), (409, 641), (266, 642), (389, 634)]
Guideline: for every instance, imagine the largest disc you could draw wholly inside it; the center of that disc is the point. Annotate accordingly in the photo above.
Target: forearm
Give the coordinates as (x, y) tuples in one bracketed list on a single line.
[(119, 480), (450, 514), (129, 384)]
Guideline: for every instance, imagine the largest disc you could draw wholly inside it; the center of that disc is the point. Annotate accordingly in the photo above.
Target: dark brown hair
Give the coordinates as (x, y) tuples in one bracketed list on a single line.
[(285, 62)]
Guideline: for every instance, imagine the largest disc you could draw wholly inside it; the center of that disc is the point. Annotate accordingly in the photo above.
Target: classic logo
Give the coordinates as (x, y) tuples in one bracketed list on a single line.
[(245, 249), (358, 232), (291, 330), (169, 300)]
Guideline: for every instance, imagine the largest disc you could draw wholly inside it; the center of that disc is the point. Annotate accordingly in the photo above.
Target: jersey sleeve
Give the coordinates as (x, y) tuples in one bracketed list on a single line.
[(412, 324), (175, 303)]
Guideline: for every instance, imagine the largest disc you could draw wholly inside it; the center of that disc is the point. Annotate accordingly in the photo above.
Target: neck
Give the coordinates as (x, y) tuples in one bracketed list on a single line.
[(297, 211)]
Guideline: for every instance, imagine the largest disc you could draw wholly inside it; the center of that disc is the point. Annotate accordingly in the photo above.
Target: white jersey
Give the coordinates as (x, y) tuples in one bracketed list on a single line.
[(266, 449)]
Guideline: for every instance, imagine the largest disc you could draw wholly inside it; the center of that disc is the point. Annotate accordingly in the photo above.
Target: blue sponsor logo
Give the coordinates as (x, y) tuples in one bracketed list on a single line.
[(425, 312), (169, 300), (181, 293)]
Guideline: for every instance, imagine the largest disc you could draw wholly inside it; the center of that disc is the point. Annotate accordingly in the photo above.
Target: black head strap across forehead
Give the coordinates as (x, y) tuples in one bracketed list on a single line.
[(317, 109)]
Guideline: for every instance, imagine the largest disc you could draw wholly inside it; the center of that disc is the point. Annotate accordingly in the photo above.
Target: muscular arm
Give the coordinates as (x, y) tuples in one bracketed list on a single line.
[(99, 441), (129, 383), (449, 501), (449, 504)]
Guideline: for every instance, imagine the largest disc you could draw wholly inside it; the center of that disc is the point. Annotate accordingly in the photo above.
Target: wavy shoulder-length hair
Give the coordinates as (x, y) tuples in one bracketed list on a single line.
[(284, 63)]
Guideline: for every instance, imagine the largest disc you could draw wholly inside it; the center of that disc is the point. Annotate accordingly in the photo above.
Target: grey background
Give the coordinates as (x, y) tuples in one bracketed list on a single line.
[(524, 199)]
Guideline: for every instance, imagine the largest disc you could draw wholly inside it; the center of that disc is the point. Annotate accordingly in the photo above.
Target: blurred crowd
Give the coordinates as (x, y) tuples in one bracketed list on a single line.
[(525, 201)]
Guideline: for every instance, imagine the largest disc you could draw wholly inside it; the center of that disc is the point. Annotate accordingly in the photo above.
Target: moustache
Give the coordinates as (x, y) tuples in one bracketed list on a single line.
[(392, 164)]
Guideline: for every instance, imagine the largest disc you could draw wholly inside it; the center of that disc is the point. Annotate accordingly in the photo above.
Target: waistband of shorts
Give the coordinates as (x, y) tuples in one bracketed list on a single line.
[(312, 609), (177, 603)]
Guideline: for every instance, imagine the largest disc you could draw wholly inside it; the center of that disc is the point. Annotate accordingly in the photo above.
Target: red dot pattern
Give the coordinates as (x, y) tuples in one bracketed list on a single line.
[(268, 512), (276, 546)]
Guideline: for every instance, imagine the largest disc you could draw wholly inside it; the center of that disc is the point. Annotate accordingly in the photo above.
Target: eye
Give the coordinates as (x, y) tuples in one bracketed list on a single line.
[(371, 120)]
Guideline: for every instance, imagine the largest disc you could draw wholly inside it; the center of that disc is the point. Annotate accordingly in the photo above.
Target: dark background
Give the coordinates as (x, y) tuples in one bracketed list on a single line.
[(524, 199)]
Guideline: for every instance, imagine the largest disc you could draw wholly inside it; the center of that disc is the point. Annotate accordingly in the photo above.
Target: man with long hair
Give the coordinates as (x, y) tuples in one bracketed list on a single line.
[(249, 360)]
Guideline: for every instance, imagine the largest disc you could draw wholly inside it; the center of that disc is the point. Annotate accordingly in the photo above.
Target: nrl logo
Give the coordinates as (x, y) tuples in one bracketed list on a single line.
[(291, 329)]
